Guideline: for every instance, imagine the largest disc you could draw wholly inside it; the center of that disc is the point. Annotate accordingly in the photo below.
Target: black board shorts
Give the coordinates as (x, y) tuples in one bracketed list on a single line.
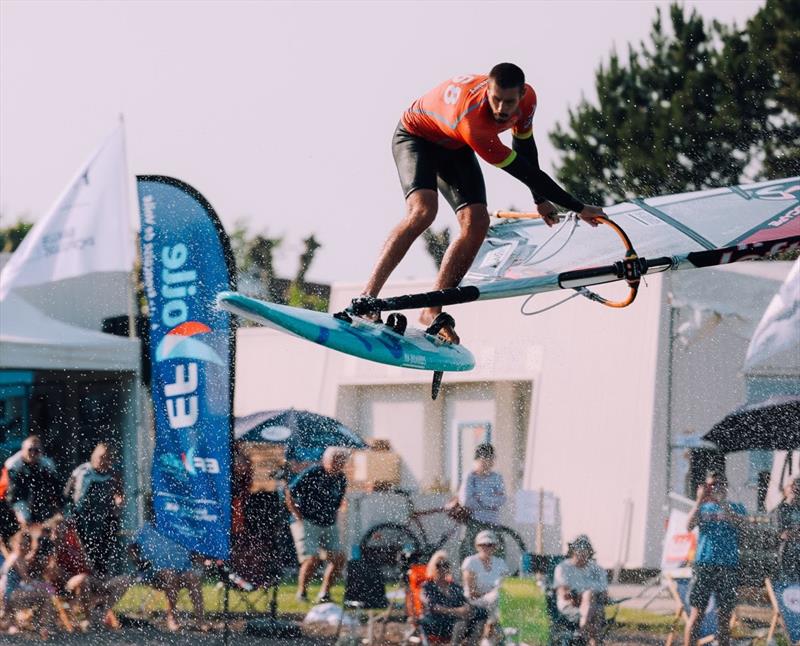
[(423, 164)]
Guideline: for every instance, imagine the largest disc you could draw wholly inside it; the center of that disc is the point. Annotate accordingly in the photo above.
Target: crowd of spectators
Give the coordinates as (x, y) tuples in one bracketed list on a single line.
[(65, 564), (64, 559), (58, 544)]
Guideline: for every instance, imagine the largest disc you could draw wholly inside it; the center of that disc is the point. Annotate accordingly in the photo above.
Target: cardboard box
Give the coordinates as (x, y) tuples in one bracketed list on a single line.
[(266, 462), (372, 470)]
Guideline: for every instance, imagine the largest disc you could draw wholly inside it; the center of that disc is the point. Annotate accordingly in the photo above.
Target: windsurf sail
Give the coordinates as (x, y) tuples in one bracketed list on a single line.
[(681, 231)]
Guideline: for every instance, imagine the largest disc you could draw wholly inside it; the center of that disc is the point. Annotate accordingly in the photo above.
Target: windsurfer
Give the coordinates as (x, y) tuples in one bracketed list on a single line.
[(434, 145)]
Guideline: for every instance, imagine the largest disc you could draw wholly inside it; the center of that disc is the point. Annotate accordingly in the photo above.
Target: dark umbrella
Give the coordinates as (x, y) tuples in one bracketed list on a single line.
[(305, 434), (771, 425)]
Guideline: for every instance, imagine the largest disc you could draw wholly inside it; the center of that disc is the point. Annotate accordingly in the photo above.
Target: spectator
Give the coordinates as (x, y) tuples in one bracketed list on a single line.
[(788, 518), (66, 567), (483, 493), (94, 492), (168, 567), (33, 488), (313, 499), (717, 556), (581, 589), (447, 615), (482, 574), (20, 589)]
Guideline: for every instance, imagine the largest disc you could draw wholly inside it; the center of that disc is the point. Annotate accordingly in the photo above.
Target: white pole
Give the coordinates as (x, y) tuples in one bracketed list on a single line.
[(132, 308)]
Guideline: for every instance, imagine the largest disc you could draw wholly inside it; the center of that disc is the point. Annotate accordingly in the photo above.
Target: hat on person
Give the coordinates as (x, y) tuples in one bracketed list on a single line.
[(486, 537), (484, 451)]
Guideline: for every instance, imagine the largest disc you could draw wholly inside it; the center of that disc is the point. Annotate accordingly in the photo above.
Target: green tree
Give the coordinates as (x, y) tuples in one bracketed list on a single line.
[(254, 256), (689, 110), (299, 292), (436, 244), (11, 237)]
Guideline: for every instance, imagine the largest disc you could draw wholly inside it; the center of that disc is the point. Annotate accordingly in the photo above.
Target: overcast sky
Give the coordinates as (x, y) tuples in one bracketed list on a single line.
[(282, 112)]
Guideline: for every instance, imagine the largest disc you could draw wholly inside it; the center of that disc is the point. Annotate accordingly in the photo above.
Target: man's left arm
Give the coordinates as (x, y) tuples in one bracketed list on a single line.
[(525, 146)]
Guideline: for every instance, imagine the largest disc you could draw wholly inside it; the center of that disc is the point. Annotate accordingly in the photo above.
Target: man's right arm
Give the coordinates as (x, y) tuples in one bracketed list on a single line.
[(290, 504)]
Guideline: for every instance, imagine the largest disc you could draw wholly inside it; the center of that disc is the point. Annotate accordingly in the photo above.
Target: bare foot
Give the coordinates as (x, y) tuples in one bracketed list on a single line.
[(172, 625), (446, 333)]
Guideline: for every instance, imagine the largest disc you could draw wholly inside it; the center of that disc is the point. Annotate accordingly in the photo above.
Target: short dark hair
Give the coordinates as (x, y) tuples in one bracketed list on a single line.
[(717, 475), (507, 76), (483, 451)]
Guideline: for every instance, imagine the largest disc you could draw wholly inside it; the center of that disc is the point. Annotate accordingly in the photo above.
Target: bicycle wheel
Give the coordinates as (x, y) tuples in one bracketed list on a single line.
[(386, 545), (513, 548)]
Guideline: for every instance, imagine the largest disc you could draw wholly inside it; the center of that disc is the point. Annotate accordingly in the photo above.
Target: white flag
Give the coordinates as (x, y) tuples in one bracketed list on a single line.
[(776, 342), (86, 231)]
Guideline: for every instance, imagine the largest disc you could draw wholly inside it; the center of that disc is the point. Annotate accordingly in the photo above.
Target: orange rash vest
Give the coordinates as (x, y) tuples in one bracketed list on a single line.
[(457, 113)]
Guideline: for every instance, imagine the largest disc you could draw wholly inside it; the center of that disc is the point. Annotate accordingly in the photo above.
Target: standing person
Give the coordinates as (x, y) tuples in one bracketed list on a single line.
[(434, 146), (483, 493), (581, 589), (717, 556), (34, 492), (94, 491), (788, 518), (314, 498)]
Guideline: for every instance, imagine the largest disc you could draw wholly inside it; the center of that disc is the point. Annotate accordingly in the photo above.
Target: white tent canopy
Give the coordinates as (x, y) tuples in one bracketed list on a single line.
[(30, 339)]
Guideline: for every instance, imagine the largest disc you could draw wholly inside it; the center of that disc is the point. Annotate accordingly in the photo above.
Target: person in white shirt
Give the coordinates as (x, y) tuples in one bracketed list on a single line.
[(482, 573), (581, 589)]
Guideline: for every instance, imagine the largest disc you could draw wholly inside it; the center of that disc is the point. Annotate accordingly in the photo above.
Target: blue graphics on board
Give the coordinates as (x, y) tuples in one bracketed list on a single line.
[(186, 260)]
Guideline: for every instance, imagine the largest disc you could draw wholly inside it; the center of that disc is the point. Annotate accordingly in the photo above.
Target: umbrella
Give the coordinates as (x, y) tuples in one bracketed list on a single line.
[(305, 434), (770, 425)]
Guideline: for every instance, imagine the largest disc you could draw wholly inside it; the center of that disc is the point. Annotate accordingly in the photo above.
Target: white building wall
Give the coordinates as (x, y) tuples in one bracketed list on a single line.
[(591, 435), (582, 399)]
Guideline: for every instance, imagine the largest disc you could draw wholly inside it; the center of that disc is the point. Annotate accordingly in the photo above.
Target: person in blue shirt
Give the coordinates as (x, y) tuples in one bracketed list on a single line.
[(313, 499), (717, 559)]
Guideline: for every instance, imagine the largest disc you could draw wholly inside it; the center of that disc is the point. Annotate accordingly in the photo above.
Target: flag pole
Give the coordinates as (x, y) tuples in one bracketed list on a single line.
[(132, 308)]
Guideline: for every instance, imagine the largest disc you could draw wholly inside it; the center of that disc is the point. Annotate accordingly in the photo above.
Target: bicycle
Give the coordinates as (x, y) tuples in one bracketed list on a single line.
[(392, 545)]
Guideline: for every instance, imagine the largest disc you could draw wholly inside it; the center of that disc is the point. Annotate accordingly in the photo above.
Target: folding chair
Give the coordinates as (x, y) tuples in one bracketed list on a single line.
[(415, 578), (784, 596)]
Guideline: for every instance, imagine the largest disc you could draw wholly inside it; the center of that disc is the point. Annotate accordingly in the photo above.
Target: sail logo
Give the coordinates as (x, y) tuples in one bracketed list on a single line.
[(179, 343), (779, 192)]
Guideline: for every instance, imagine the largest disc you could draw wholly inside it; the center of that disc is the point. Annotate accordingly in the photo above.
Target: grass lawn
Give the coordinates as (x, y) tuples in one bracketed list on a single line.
[(522, 605)]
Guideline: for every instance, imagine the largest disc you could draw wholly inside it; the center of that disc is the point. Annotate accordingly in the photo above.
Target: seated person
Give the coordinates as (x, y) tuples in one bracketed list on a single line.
[(482, 574), (168, 567), (21, 590), (581, 589), (65, 565), (447, 616)]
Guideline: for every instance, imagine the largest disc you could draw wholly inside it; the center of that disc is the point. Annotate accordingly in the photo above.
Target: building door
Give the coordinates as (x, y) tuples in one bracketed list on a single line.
[(469, 420)]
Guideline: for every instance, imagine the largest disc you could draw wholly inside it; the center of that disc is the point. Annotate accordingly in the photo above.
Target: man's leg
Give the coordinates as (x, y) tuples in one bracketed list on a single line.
[(726, 602), (692, 626), (473, 221), (167, 582), (192, 583), (307, 569), (332, 571), (421, 206)]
